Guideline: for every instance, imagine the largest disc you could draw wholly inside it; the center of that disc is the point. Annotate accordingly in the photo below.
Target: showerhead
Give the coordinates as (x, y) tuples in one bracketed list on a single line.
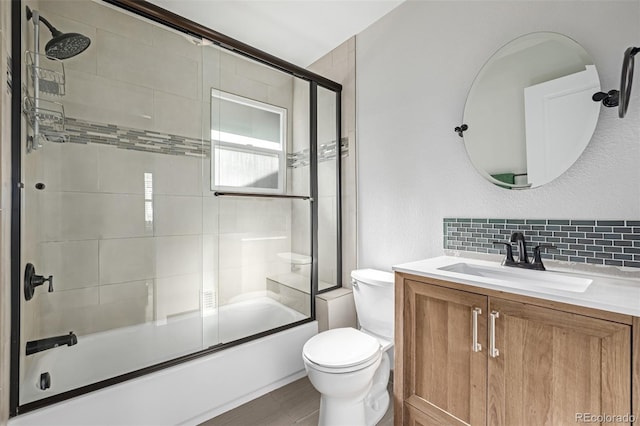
[(62, 46)]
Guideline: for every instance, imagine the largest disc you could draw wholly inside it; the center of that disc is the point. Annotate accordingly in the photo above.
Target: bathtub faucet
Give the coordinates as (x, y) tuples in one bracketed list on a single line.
[(35, 346)]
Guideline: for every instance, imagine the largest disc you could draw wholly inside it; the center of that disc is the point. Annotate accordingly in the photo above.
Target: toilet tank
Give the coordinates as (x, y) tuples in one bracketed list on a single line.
[(373, 295)]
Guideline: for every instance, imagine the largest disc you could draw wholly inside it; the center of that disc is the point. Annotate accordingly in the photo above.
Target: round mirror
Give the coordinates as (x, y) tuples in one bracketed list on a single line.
[(529, 111)]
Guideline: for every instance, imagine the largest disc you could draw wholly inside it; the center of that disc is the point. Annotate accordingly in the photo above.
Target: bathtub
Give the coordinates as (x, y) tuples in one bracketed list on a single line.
[(188, 393)]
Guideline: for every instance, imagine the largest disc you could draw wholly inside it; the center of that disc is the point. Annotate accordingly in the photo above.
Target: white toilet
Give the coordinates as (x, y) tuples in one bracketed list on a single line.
[(350, 368)]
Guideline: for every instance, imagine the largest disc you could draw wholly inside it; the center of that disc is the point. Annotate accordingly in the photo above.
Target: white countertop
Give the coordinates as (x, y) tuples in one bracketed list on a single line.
[(608, 293)]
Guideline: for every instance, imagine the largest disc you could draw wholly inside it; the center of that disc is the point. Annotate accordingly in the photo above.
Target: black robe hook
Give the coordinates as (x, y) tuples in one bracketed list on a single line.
[(460, 129), (609, 99)]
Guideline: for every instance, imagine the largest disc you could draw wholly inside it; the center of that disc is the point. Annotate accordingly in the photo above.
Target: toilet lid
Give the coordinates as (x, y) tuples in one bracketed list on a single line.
[(373, 277), (341, 347)]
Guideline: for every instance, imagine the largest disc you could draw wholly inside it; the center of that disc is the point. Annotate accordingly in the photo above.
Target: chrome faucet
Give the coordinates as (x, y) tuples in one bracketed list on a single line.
[(35, 346), (523, 258)]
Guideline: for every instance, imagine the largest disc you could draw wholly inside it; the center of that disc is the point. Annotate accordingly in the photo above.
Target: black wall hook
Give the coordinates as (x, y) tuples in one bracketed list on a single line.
[(609, 99), (460, 129)]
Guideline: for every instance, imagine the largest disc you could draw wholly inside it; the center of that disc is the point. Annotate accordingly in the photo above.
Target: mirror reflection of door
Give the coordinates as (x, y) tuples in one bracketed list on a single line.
[(555, 114)]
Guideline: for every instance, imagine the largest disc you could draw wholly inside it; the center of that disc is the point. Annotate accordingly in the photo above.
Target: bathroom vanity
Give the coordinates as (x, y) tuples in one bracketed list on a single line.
[(482, 344)]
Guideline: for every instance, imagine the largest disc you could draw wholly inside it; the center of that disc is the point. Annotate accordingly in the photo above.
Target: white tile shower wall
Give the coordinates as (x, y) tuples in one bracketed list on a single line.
[(413, 169), (102, 240), (72, 168), (107, 232), (177, 295), (177, 255), (126, 259), (146, 66), (74, 264), (327, 223), (142, 77), (177, 215), (130, 264), (248, 244), (299, 179)]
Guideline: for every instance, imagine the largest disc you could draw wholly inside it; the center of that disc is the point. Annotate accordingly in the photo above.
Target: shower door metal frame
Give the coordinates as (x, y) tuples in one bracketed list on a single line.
[(169, 19), (16, 201), (313, 172)]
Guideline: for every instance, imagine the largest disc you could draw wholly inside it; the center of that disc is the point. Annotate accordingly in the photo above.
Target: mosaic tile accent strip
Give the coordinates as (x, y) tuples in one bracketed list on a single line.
[(326, 151), (599, 242), (83, 132)]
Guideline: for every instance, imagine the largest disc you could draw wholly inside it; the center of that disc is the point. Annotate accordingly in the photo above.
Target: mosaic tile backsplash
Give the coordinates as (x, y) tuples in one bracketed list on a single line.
[(599, 242), (82, 131)]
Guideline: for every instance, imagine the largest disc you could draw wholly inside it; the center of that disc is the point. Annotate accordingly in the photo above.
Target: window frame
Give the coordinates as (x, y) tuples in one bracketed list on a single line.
[(248, 148)]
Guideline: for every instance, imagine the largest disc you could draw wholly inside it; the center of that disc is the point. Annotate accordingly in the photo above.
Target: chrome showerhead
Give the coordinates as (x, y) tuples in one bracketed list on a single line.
[(62, 46)]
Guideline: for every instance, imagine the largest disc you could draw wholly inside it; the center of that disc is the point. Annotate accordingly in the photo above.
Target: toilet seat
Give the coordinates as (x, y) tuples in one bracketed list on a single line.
[(340, 370), (341, 350)]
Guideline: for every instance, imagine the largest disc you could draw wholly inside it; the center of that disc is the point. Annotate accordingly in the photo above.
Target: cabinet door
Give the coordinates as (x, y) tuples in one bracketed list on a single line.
[(444, 377), (553, 367), (415, 417)]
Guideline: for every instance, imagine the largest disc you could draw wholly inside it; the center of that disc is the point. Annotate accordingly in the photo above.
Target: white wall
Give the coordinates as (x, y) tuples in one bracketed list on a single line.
[(414, 68)]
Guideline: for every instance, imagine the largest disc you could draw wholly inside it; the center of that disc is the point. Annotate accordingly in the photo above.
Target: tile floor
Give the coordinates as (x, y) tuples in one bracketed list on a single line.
[(295, 404)]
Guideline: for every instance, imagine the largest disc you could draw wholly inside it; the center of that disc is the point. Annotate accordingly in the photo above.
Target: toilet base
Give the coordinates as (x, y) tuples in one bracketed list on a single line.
[(376, 410), (377, 401), (337, 412), (365, 410)]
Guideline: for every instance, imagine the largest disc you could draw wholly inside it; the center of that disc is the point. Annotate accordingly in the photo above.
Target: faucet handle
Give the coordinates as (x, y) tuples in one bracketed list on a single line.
[(509, 247), (537, 258), (536, 249), (33, 280)]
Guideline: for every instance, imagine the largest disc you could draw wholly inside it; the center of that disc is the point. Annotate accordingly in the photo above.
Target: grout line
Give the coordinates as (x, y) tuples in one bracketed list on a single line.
[(308, 416)]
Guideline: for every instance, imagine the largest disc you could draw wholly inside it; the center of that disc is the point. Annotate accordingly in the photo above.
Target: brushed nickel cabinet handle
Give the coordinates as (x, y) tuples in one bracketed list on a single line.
[(475, 346), (493, 351)]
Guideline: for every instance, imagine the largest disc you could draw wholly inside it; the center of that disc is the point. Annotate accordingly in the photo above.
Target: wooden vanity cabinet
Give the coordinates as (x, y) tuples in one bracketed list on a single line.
[(445, 379), (528, 364), (553, 365)]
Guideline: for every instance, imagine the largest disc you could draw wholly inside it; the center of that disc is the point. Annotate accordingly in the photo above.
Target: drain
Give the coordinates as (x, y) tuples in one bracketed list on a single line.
[(45, 381)]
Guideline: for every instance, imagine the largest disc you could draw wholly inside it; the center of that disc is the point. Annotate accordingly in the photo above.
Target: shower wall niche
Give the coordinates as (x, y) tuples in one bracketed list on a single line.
[(147, 251)]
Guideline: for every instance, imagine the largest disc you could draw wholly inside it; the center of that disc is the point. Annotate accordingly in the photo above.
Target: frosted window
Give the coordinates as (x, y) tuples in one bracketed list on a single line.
[(247, 169), (248, 139)]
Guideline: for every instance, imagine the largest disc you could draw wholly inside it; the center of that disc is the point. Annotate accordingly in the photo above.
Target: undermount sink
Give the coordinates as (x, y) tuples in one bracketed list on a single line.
[(521, 278)]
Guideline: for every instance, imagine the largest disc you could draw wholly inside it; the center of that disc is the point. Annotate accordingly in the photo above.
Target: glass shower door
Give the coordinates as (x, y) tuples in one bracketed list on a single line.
[(114, 215), (174, 208), (328, 154), (260, 178)]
